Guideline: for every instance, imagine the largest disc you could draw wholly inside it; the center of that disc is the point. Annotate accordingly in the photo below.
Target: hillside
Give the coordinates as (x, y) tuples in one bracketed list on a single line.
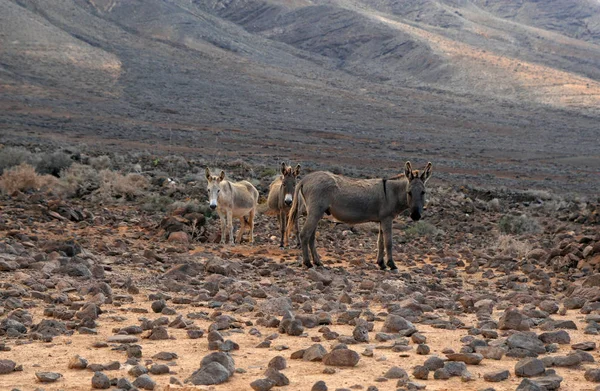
[(486, 90)]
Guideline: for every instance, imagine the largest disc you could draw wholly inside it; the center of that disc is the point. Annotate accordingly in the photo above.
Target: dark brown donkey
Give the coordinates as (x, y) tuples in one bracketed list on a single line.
[(281, 195), (356, 201)]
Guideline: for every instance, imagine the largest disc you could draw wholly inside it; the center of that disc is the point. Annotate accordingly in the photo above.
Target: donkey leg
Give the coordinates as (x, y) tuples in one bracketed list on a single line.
[(298, 232), (251, 224), (380, 249), (223, 219), (241, 231), (230, 226), (313, 249), (282, 225), (387, 236), (308, 231)]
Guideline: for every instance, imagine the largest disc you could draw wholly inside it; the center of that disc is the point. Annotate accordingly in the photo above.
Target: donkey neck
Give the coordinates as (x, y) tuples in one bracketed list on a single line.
[(395, 193)]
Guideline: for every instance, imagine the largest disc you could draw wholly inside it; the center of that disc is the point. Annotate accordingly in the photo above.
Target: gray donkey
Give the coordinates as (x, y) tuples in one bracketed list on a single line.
[(281, 195), (356, 201)]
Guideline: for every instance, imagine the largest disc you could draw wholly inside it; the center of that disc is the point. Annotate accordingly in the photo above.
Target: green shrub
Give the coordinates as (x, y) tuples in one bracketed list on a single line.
[(12, 157), (517, 225), (420, 229), (53, 163)]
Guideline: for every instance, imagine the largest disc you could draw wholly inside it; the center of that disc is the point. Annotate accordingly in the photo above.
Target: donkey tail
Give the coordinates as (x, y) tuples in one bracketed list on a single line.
[(293, 214)]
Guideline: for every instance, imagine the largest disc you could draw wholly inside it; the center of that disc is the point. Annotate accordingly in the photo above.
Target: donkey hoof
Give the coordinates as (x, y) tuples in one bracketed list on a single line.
[(394, 271)]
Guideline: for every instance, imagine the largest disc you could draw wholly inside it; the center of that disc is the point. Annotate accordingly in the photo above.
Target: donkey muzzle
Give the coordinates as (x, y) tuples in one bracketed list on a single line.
[(288, 199), (213, 206), (415, 215)]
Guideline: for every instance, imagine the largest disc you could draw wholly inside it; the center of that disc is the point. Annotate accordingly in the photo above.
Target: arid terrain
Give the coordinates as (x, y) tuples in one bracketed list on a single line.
[(111, 271)]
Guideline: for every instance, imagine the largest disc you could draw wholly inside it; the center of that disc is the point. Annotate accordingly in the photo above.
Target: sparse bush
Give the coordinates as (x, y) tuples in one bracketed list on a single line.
[(116, 186), (156, 203), (419, 229), (494, 205), (508, 245), (185, 207), (53, 163), (175, 165), (518, 225), (11, 157), (20, 178), (268, 172), (101, 162), (80, 180)]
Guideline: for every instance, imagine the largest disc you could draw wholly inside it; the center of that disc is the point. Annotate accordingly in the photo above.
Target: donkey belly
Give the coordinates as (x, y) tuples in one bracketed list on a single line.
[(352, 215)]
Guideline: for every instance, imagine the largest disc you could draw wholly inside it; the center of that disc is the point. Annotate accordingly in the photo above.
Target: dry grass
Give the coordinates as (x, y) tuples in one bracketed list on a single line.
[(23, 178), (113, 185), (508, 245)]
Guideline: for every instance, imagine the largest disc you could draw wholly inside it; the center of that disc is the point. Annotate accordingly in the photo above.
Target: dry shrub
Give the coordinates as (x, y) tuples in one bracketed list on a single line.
[(116, 186), (80, 180), (20, 178), (523, 224), (53, 163), (12, 157), (508, 245), (101, 162)]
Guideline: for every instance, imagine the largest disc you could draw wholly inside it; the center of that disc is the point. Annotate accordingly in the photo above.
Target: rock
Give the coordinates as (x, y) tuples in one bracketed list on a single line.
[(341, 357), (179, 237), (496, 376), (158, 333), (420, 372), (144, 382), (491, 352), (158, 305), (585, 346), (423, 349), (455, 368), (124, 384), (319, 277), (560, 337), (277, 306), (549, 382), (441, 374), (122, 339), (211, 373), (48, 377), (222, 358), (319, 386), (562, 361), (397, 324), (195, 333), (467, 358), (433, 363), (549, 306), (525, 344), (278, 378), (100, 381), (314, 353), (361, 333), (165, 356), (467, 376), (529, 367), (529, 385), (278, 362), (7, 366), (512, 319), (295, 328), (159, 369), (77, 362), (592, 375), (396, 373), (262, 385), (137, 370)]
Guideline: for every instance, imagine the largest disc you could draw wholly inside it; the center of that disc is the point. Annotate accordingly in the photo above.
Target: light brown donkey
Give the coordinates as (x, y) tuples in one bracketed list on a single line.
[(356, 201), (281, 195), (232, 199)]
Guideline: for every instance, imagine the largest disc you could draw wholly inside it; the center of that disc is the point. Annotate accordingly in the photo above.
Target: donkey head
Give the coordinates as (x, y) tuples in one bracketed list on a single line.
[(415, 191), (288, 182), (213, 187)]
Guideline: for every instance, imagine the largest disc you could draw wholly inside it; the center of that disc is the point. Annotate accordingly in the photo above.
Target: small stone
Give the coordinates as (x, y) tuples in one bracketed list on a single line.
[(496, 376), (396, 373), (420, 372), (592, 375), (277, 377), (319, 386), (342, 358), (441, 374), (100, 381), (433, 363), (418, 338), (529, 367), (77, 362), (560, 337), (314, 353), (585, 346), (195, 333), (122, 339), (159, 369), (467, 358), (144, 382), (137, 370), (423, 349), (48, 377), (262, 385), (7, 366), (278, 362)]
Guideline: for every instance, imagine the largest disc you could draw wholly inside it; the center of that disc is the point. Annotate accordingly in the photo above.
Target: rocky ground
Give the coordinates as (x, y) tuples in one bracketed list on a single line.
[(496, 290)]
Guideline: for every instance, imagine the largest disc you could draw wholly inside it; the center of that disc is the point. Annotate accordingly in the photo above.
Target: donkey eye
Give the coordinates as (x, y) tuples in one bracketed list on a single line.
[(423, 193)]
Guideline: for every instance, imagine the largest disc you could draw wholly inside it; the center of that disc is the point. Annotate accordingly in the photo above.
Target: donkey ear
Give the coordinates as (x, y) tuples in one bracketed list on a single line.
[(426, 173), (208, 174), (297, 170), (283, 168), (408, 170), (222, 176)]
